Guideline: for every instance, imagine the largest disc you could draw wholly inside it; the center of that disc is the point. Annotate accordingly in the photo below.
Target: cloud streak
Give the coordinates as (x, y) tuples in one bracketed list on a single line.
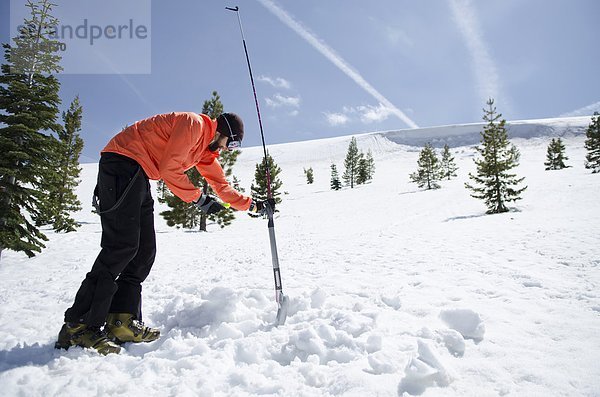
[(486, 74), (334, 58)]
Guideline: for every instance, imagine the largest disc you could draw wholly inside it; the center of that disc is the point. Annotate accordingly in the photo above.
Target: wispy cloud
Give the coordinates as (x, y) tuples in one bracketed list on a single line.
[(365, 114), (372, 114), (335, 119), (486, 74), (337, 60), (584, 111), (279, 100), (277, 82)]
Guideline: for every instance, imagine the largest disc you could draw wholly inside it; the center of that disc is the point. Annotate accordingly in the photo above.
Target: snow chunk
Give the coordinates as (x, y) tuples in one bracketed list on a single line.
[(454, 341), (465, 321), (424, 371), (392, 301), (317, 298), (381, 363)]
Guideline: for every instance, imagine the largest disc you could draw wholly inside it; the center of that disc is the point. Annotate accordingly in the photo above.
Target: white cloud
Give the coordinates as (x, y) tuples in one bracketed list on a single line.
[(370, 114), (334, 58), (279, 100), (336, 119), (277, 82), (366, 114)]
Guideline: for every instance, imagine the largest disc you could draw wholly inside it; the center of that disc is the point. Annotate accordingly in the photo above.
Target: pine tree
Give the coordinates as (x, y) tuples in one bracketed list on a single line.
[(448, 165), (498, 157), (310, 178), (555, 157), (351, 163), (29, 104), (259, 186), (187, 215), (71, 146), (370, 165), (429, 171), (362, 172), (592, 144), (335, 178)]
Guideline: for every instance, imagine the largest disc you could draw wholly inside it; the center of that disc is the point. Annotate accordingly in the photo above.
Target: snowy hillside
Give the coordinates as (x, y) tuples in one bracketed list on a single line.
[(394, 291)]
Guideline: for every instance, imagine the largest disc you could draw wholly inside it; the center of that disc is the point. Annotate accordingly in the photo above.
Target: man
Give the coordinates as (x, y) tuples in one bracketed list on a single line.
[(107, 307)]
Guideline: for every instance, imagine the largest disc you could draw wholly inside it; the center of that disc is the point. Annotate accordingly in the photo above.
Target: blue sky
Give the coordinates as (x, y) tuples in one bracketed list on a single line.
[(338, 67)]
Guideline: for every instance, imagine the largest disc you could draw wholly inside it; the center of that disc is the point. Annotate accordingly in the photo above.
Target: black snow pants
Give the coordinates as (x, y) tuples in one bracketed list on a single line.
[(114, 285)]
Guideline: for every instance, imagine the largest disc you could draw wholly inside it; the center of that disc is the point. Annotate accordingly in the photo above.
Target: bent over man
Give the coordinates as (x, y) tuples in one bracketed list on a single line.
[(107, 310)]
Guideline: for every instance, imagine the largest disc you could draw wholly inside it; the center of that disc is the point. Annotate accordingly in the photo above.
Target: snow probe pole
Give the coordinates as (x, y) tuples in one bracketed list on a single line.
[(282, 300)]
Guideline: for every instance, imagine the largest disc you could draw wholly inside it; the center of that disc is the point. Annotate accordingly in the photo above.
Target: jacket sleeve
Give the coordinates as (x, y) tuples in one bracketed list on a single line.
[(214, 175), (171, 166)]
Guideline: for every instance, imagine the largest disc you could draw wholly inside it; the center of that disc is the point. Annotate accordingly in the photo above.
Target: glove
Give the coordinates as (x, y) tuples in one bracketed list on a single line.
[(260, 206), (208, 204)]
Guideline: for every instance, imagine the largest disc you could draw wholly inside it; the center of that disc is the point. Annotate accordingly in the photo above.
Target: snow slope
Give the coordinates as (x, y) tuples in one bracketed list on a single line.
[(394, 290)]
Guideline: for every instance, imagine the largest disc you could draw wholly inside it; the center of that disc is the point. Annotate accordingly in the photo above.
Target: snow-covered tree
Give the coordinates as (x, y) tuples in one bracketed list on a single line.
[(494, 184), (592, 144), (555, 157), (429, 171)]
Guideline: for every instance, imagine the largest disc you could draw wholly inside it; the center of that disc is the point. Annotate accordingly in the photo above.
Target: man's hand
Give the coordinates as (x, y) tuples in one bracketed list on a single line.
[(260, 206), (208, 204)]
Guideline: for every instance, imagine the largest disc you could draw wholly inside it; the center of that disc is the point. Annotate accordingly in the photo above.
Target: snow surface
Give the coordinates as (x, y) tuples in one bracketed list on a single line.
[(394, 291)]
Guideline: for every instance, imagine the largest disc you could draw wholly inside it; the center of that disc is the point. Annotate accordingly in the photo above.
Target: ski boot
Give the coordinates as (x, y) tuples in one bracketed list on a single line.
[(124, 327), (74, 334)]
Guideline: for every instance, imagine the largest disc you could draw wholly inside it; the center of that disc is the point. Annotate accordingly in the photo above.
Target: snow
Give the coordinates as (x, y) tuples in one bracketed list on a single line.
[(394, 291)]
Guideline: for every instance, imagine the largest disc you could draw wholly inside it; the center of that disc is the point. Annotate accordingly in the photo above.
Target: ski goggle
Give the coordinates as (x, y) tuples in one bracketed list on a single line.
[(232, 143)]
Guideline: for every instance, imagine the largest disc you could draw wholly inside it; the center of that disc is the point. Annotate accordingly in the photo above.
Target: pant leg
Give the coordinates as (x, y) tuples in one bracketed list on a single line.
[(120, 238), (128, 298)]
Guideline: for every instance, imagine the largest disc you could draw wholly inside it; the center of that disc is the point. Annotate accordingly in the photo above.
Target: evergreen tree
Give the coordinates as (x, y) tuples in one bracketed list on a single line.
[(555, 157), (498, 156), (29, 104), (62, 196), (370, 165), (187, 215), (335, 178), (362, 172), (351, 163), (429, 171), (259, 186), (592, 144), (448, 165), (310, 178)]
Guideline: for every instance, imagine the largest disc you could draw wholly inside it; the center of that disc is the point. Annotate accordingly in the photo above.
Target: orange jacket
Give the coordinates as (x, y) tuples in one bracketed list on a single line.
[(167, 145)]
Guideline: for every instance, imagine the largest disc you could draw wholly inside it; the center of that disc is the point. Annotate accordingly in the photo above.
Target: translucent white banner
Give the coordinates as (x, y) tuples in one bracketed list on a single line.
[(96, 36)]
